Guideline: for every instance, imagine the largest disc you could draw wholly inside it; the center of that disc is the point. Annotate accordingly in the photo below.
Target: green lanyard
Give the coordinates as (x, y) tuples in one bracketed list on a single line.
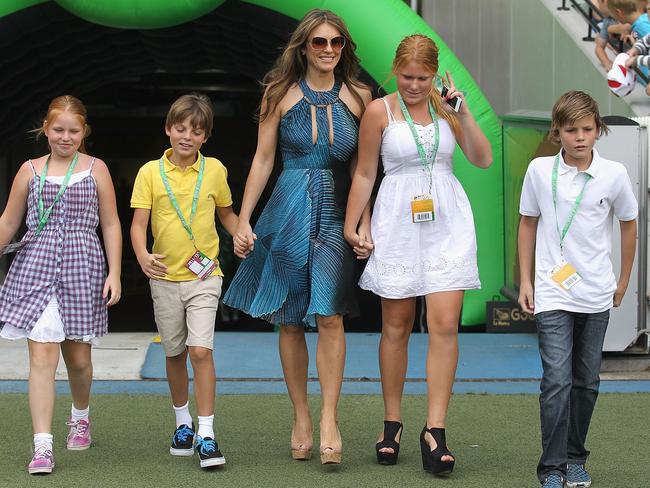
[(428, 164), (573, 211), (44, 213), (172, 198)]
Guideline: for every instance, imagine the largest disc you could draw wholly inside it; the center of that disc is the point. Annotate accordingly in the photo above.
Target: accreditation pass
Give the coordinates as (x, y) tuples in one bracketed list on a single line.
[(565, 275), (422, 209), (201, 265)]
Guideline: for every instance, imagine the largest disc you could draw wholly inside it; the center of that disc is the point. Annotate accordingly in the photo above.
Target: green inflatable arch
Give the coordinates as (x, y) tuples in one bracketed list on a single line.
[(377, 26)]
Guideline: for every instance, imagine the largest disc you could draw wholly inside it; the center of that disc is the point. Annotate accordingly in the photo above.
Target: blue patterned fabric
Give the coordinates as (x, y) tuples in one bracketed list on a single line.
[(301, 265)]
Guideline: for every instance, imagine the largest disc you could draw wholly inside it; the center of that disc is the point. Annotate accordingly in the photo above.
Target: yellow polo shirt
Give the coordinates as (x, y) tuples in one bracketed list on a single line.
[(169, 236)]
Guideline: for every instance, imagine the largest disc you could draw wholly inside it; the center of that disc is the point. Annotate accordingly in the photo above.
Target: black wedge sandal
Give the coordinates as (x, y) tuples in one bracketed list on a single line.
[(432, 459), (391, 431)]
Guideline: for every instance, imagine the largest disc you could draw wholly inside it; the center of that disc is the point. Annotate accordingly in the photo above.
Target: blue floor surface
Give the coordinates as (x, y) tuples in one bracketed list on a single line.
[(157, 387), (255, 355), (249, 363), (488, 363)]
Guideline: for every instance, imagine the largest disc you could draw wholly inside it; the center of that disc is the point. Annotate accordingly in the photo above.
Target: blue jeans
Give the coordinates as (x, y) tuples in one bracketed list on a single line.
[(570, 345)]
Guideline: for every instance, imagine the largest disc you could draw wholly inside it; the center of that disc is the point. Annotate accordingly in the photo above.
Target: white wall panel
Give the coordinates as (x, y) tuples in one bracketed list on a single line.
[(519, 53), (494, 48)]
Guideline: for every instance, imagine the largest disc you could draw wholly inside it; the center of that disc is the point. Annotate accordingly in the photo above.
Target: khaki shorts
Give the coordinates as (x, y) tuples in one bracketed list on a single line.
[(185, 312)]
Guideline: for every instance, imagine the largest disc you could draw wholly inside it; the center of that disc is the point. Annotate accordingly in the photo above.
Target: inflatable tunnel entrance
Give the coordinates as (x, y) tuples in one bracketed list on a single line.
[(100, 49)]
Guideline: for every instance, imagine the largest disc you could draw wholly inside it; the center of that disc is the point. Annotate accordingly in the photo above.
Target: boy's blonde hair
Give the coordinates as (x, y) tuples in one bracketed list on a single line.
[(571, 107), (627, 6), (197, 107)]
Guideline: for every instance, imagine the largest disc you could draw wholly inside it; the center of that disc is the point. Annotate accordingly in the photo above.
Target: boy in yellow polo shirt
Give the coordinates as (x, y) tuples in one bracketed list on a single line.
[(180, 192)]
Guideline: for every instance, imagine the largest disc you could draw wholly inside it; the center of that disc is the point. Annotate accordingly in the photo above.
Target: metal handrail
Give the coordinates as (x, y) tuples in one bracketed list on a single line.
[(592, 25)]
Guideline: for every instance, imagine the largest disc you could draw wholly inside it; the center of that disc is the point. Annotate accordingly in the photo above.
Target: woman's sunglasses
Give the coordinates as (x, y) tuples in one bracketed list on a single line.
[(320, 43)]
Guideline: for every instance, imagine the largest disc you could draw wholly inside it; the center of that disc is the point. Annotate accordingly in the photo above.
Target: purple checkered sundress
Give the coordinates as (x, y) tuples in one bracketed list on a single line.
[(66, 258)]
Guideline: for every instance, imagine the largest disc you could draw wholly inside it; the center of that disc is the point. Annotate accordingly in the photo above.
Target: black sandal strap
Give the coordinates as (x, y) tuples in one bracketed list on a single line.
[(391, 429), (440, 437)]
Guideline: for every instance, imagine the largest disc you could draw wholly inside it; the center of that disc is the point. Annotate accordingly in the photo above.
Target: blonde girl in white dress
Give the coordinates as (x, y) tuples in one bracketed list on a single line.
[(423, 241)]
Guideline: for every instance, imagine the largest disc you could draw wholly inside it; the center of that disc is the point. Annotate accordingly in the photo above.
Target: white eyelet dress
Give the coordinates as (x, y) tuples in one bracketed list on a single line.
[(415, 259)]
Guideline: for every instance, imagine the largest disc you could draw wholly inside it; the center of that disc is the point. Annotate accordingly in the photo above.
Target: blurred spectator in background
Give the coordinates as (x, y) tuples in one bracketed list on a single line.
[(609, 35), (631, 12)]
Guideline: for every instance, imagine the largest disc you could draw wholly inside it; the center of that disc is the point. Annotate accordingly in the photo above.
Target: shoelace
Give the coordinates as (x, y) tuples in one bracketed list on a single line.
[(183, 434), (207, 446), (42, 452), (79, 427)]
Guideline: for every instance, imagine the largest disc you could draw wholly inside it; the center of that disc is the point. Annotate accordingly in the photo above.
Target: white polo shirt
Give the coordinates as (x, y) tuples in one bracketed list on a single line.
[(588, 243)]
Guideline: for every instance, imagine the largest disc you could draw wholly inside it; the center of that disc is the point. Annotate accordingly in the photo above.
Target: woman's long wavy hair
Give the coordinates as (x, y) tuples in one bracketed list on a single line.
[(422, 50), (291, 66)]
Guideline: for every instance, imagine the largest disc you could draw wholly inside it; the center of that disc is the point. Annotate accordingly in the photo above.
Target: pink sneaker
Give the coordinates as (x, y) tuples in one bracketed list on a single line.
[(79, 436), (42, 462)]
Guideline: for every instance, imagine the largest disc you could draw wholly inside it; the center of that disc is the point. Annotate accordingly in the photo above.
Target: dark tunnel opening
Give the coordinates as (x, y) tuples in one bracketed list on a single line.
[(127, 80)]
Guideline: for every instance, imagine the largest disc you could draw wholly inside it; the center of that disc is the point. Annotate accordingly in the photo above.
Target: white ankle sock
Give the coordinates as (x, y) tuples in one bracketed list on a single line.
[(82, 414), (183, 415), (43, 439), (205, 426)]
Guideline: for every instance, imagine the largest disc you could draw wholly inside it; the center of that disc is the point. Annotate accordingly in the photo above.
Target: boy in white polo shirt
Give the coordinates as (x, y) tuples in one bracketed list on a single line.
[(566, 208)]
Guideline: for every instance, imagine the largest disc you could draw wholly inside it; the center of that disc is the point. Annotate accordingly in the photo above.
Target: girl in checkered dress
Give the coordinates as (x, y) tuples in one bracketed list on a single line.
[(56, 291)]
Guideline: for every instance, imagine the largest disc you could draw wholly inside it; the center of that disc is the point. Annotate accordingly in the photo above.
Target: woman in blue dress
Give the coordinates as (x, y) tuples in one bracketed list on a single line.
[(298, 269)]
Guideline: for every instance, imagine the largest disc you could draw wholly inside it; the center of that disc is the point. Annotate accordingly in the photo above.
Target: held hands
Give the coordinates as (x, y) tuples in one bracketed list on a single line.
[(526, 301), (113, 287), (244, 240), (152, 266), (361, 241)]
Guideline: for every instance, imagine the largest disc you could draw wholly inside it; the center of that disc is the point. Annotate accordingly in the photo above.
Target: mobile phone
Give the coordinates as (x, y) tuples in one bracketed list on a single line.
[(455, 102)]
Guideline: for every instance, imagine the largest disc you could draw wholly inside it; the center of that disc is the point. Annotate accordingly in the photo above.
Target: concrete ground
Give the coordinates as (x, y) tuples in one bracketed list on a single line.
[(119, 356)]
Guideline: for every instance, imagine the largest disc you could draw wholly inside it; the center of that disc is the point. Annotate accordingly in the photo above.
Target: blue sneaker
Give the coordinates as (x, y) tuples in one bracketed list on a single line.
[(209, 452), (553, 481), (182, 441), (577, 476)]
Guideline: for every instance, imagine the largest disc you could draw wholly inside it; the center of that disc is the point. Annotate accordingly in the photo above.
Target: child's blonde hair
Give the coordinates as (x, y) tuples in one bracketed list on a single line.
[(65, 103), (628, 6), (197, 107), (571, 107)]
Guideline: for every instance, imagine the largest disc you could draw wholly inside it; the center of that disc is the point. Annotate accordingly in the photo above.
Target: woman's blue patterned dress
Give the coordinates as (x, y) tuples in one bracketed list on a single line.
[(301, 265)]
